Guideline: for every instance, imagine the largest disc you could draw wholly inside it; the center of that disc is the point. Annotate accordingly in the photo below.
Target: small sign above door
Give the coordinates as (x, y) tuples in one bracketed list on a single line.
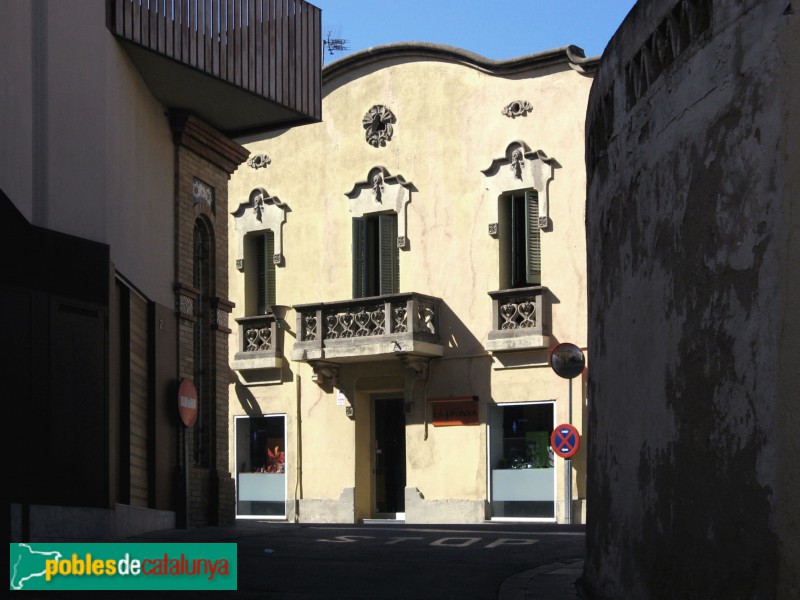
[(454, 411)]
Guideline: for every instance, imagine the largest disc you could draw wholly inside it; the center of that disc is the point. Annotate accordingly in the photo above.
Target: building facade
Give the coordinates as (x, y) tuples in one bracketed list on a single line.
[(117, 148), (400, 272), (692, 230)]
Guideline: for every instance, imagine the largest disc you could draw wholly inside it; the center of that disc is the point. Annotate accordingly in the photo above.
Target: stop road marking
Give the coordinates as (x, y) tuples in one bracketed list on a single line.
[(446, 542), (468, 541), (510, 542)]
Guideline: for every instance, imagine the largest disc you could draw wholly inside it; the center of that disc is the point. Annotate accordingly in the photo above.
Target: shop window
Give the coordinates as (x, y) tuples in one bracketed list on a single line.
[(376, 263), (261, 466), (522, 462), (520, 243)]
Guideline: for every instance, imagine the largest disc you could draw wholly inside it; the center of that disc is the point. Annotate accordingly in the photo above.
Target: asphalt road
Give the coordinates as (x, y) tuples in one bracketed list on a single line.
[(372, 561)]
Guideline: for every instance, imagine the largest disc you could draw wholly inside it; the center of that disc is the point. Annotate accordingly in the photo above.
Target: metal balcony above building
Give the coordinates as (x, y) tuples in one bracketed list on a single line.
[(242, 66), (368, 329), (517, 320)]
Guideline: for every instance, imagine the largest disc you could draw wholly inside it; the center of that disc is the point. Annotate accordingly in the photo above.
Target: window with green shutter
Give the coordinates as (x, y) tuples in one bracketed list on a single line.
[(259, 269), (520, 244), (376, 262)]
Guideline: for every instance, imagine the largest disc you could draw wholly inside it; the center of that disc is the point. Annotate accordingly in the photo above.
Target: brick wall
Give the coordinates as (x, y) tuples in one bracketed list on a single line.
[(205, 159)]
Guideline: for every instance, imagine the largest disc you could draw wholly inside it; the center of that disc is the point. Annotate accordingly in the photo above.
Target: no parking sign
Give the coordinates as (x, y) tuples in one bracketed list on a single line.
[(565, 440)]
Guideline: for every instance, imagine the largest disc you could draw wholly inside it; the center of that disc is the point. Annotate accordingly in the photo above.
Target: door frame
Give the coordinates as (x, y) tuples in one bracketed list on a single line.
[(396, 516)]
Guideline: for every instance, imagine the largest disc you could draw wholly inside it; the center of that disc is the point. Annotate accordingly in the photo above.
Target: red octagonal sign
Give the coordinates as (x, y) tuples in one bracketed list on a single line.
[(187, 402), (565, 440)]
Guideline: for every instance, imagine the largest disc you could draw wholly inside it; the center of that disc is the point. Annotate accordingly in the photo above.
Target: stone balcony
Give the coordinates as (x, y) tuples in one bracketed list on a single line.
[(517, 320), (260, 346), (368, 329)]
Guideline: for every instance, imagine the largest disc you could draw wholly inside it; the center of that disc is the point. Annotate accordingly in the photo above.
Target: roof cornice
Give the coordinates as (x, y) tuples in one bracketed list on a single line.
[(573, 56)]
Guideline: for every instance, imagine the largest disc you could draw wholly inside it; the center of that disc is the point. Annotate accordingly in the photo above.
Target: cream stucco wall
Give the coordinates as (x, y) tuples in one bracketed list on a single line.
[(86, 148), (449, 128)]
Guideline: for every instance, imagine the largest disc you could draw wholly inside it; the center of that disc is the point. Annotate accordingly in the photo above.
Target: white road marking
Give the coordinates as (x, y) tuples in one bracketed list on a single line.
[(462, 544), (483, 532), (510, 542)]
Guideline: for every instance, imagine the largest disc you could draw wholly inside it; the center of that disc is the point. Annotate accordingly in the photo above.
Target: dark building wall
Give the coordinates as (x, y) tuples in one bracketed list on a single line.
[(54, 305), (165, 422), (693, 323)]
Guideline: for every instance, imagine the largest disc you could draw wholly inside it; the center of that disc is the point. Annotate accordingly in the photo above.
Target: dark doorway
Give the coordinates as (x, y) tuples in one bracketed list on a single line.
[(390, 457)]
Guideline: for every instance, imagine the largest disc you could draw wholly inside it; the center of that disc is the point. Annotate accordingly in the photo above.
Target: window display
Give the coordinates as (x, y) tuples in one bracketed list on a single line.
[(261, 466), (522, 462)]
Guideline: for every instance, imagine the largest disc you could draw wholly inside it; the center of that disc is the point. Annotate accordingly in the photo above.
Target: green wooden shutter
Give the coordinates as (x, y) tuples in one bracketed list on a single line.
[(389, 256), (533, 255), (265, 272), (269, 267), (359, 257), (518, 241), (261, 276)]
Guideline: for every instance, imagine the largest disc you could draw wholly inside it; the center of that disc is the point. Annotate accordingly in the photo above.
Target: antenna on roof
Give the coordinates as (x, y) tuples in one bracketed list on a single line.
[(334, 45)]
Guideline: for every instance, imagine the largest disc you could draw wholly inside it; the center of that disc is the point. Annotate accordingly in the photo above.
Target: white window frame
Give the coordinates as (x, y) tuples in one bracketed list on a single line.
[(489, 466), (236, 419)]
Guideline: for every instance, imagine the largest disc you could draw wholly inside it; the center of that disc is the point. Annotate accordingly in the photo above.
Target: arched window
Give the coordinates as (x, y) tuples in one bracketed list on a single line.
[(203, 343)]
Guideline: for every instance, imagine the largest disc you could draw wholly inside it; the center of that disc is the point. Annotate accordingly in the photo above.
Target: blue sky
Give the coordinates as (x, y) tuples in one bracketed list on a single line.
[(492, 28)]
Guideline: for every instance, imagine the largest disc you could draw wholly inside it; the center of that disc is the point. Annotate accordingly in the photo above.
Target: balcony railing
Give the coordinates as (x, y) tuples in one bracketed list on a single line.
[(271, 48), (517, 320), (260, 344), (368, 328)]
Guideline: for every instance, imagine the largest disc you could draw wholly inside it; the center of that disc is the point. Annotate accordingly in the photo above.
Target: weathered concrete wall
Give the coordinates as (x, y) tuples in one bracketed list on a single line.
[(693, 323)]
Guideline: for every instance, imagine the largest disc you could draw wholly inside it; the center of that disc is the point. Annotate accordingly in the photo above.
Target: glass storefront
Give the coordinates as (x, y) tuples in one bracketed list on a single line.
[(522, 468), (261, 466)]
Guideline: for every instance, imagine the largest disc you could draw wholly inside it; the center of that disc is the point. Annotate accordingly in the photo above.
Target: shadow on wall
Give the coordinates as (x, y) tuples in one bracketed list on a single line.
[(456, 338), (464, 371), (246, 398)]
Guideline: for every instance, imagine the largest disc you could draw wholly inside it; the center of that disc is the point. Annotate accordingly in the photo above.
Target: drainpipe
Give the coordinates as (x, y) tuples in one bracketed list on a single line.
[(298, 459)]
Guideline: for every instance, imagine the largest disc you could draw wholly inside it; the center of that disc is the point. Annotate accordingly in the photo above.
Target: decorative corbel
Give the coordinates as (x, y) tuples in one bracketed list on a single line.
[(417, 369), (418, 364), (325, 373)]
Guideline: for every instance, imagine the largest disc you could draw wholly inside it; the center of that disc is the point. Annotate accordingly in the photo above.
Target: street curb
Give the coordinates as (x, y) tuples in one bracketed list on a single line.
[(554, 581)]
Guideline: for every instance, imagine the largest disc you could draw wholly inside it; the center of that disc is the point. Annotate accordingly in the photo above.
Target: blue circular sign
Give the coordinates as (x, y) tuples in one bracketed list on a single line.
[(565, 440)]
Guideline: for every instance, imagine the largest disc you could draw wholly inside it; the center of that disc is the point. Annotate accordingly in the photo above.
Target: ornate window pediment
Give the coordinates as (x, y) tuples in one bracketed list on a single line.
[(519, 168), (383, 192), (259, 213)]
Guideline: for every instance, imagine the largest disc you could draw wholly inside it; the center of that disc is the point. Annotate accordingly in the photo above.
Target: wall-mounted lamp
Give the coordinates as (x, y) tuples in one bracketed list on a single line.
[(279, 312)]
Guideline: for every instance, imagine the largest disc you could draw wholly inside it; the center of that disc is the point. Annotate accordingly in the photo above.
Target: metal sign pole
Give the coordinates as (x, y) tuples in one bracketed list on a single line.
[(568, 361), (568, 468), (186, 476), (187, 408)]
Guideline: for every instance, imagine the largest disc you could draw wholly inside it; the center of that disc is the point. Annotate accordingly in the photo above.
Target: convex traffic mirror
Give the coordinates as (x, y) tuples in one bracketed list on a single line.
[(567, 360)]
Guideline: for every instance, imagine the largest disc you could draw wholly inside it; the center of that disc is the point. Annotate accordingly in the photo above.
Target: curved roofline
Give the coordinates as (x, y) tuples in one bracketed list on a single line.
[(571, 55)]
